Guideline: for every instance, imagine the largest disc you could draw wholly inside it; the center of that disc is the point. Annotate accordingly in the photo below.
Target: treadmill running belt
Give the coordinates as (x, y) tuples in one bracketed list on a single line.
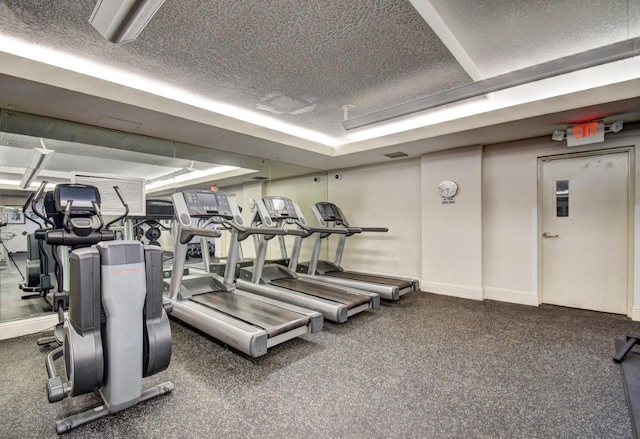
[(271, 318), (351, 300), (400, 283)]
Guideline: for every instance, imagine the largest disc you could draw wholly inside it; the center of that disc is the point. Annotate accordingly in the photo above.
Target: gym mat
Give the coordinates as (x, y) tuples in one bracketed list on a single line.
[(630, 369)]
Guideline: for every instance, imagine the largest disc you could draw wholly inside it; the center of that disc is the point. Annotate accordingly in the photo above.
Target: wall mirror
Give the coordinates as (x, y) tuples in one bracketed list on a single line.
[(36, 148)]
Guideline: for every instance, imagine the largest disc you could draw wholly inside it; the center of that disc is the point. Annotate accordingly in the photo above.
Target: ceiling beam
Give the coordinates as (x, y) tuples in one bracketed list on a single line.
[(435, 21), (573, 63)]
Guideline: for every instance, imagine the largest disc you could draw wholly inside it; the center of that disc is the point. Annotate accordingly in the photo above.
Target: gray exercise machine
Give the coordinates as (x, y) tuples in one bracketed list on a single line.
[(389, 287), (117, 330), (336, 303), (247, 322), (39, 259)]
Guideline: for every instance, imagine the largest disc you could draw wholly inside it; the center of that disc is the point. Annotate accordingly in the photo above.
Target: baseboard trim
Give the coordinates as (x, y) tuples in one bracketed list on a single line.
[(33, 325), (446, 289), (635, 314), (511, 296)]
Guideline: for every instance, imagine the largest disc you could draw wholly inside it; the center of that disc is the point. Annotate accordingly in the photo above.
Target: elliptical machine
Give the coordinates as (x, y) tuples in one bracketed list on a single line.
[(117, 330), (38, 279)]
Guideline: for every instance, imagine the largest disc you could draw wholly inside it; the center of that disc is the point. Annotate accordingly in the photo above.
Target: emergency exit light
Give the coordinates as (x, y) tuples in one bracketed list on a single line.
[(586, 133)]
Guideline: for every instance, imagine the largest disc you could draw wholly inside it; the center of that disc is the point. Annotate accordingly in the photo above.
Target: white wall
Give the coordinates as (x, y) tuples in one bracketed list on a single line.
[(386, 195), (483, 247), (452, 233), (510, 229)]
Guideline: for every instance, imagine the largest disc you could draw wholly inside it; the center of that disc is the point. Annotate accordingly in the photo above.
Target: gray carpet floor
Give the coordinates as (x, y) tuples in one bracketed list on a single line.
[(11, 304), (427, 366)]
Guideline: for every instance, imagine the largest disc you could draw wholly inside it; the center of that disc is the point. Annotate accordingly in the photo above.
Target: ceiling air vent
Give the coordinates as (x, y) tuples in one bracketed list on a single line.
[(395, 155), (259, 178)]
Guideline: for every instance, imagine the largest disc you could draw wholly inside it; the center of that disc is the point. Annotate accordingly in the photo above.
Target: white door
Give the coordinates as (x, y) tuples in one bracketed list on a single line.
[(585, 218)]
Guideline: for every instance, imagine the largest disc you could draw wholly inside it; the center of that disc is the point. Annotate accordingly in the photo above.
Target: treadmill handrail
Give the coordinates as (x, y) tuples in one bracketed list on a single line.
[(324, 231), (188, 233), (327, 230), (245, 232), (374, 229)]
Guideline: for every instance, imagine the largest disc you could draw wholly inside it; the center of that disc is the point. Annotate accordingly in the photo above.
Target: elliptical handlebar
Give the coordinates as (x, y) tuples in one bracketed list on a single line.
[(67, 213), (34, 200), (99, 215), (126, 208), (24, 210), (28, 202)]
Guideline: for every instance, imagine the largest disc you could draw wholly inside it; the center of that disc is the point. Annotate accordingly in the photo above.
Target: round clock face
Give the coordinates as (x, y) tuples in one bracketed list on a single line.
[(448, 188)]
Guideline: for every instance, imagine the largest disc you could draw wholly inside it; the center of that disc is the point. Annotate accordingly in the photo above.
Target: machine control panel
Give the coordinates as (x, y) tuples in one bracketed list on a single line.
[(280, 208), (329, 211), (205, 204), (82, 196), (159, 209)]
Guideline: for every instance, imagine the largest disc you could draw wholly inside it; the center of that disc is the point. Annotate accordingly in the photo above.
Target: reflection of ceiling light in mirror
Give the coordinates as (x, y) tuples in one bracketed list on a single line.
[(177, 173), (190, 176), (38, 161), (67, 61), (34, 185)]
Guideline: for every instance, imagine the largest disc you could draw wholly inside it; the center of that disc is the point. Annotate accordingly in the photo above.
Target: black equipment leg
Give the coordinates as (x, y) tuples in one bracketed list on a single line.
[(632, 339)]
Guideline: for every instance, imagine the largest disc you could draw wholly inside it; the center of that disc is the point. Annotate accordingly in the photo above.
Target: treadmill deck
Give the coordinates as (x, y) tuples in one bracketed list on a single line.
[(351, 300), (400, 283), (271, 318)]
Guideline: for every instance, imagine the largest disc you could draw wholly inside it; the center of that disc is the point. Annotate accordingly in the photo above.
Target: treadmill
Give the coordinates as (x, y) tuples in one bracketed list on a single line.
[(247, 322), (276, 281), (389, 287)]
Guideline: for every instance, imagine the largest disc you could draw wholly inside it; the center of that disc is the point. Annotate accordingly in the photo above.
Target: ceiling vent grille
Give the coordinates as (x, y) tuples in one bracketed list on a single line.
[(259, 178), (395, 155)]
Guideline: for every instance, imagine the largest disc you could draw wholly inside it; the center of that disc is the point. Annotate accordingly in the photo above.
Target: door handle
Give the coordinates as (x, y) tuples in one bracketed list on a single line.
[(549, 235)]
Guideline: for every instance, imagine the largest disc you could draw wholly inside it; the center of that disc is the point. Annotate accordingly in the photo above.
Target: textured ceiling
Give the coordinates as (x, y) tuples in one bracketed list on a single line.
[(287, 56)]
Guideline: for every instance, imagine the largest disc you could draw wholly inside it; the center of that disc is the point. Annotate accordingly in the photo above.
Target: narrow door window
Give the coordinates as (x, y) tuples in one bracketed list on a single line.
[(562, 198)]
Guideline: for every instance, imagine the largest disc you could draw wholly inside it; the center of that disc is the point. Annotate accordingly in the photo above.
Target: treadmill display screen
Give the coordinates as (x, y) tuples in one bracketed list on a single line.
[(280, 207), (278, 204), (329, 211), (205, 204)]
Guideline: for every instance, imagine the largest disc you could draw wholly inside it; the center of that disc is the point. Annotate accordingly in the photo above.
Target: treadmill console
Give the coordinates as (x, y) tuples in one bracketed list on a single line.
[(329, 211), (159, 209), (280, 208), (205, 204)]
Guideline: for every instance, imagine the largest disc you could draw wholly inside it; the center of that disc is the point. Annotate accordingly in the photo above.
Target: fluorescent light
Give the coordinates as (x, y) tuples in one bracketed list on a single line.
[(170, 176), (121, 21), (34, 185), (190, 176), (39, 159)]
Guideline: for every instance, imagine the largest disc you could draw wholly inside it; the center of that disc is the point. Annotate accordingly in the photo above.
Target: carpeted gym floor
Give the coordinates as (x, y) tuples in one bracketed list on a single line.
[(427, 366)]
